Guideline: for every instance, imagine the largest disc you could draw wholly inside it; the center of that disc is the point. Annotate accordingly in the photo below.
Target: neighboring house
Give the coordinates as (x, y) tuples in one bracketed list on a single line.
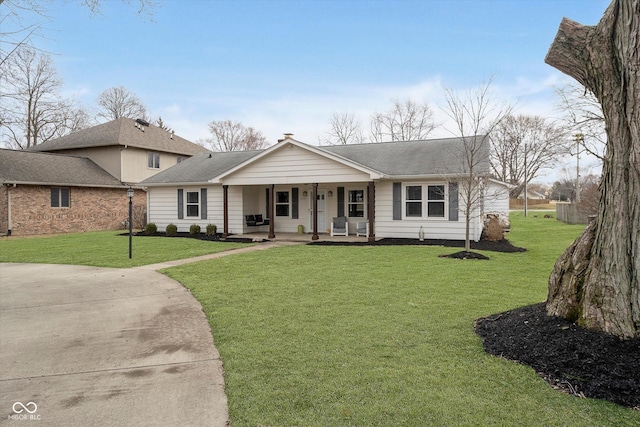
[(89, 171), (130, 150), (395, 188), (42, 193), (532, 195)]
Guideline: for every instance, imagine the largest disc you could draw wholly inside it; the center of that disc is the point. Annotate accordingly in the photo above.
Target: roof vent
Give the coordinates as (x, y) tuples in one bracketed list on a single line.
[(142, 122)]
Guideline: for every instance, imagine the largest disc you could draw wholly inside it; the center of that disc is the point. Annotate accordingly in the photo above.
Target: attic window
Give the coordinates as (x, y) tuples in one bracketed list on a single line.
[(153, 160)]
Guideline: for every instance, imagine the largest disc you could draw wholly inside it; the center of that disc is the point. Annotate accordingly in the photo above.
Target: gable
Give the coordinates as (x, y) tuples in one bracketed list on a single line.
[(291, 164)]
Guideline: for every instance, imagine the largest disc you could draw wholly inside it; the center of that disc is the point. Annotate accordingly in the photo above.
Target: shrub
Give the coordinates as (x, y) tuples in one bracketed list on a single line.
[(194, 229), (211, 230), (172, 230), (151, 228)]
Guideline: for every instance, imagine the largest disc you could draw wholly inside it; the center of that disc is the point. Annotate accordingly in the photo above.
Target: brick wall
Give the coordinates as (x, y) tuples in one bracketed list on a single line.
[(91, 209), (4, 212)]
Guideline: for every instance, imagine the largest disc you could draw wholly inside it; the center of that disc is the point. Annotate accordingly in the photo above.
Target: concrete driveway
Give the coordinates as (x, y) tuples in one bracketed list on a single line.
[(107, 347)]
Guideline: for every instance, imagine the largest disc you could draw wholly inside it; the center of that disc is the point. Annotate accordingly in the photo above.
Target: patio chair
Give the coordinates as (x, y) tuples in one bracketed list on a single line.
[(362, 229), (339, 226)]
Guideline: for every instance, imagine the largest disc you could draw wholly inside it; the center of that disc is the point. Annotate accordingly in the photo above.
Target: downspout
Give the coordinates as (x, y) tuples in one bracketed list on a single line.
[(9, 225)]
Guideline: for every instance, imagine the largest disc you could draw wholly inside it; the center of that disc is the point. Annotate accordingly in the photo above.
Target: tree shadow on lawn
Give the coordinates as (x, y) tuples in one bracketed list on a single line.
[(570, 358)]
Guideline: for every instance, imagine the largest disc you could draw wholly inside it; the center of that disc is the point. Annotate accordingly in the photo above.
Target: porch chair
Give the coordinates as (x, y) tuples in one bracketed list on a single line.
[(362, 229), (339, 226)]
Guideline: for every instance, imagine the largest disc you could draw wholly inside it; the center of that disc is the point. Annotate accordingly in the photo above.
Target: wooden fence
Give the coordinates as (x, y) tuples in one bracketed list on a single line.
[(519, 203), (570, 214)]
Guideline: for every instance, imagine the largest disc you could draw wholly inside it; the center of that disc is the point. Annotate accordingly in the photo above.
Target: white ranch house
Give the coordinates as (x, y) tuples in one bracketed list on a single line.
[(384, 190)]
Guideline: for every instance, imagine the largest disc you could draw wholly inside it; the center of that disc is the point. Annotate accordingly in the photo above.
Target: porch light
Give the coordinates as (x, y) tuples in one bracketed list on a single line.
[(304, 193), (330, 193)]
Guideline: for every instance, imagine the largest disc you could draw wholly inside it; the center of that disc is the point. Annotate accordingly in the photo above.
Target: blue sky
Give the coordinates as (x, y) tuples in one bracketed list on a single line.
[(287, 66)]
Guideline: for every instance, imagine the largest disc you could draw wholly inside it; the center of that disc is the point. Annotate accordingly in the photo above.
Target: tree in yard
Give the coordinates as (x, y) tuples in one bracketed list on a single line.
[(345, 129), (582, 114), (234, 136), (596, 282), (475, 116), (118, 102), (522, 146), (405, 121), (31, 108)]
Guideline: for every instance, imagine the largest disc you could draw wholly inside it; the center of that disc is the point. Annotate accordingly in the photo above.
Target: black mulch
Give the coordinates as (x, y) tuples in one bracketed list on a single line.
[(570, 358), (482, 245), (201, 236)]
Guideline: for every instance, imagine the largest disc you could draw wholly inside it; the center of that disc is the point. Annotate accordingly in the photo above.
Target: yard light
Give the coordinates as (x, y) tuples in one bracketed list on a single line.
[(130, 195)]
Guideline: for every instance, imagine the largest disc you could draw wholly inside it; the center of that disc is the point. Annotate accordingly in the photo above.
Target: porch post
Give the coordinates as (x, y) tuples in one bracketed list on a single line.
[(225, 210), (315, 211), (371, 199), (272, 212)]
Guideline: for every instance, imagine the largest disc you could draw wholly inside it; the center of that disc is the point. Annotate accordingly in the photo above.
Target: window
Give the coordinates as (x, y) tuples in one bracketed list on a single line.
[(153, 160), (60, 197), (435, 202), (282, 203), (413, 198), (193, 205), (355, 204)]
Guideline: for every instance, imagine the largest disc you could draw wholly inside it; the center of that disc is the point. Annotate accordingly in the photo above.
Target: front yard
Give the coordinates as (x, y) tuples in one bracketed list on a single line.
[(379, 336)]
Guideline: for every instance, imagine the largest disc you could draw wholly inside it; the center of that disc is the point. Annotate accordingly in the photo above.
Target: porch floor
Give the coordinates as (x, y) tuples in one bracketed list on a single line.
[(306, 237)]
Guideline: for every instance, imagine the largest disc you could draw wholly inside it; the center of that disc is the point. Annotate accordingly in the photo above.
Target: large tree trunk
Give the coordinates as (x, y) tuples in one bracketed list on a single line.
[(596, 281)]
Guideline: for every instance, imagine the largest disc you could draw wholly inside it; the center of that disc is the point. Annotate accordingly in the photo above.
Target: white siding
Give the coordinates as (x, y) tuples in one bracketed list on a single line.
[(163, 208), (387, 227), (496, 201), (295, 165)]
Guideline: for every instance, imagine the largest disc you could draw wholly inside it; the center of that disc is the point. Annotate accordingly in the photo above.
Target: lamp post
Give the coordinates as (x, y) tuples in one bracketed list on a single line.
[(130, 195)]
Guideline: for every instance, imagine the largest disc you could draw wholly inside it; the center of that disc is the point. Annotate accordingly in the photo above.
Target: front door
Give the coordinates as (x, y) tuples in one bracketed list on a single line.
[(322, 223)]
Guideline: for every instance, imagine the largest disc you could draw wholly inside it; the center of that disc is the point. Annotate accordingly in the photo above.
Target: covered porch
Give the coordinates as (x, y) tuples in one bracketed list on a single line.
[(304, 237)]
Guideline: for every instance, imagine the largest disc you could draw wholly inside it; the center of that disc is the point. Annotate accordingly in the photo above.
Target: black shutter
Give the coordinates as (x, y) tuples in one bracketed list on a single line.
[(203, 203), (55, 197), (340, 201), (180, 203), (268, 211), (397, 200), (453, 201), (294, 203)]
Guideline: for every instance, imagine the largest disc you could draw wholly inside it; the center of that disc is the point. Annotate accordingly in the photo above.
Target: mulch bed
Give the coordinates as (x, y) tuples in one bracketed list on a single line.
[(482, 245), (570, 358), (201, 236)]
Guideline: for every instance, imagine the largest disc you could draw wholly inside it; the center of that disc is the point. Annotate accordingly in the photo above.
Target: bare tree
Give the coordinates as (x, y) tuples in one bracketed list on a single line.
[(475, 116), (162, 125), (582, 114), (405, 121), (596, 281), (118, 102), (32, 110), (234, 136), (522, 146), (345, 129)]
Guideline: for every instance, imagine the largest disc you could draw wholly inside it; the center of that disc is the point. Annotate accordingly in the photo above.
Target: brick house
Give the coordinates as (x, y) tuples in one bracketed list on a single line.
[(79, 182), (43, 193)]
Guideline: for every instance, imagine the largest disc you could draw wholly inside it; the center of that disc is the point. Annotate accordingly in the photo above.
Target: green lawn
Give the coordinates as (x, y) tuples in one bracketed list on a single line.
[(383, 336), (104, 249)]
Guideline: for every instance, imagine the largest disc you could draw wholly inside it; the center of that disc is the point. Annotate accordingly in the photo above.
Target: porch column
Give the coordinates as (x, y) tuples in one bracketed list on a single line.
[(371, 199), (314, 194), (272, 212), (225, 210)]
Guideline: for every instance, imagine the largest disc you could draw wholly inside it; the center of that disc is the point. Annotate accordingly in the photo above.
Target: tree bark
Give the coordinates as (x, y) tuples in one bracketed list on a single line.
[(596, 281)]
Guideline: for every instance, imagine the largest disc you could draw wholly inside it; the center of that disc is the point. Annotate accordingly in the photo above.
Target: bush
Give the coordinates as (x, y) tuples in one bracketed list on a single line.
[(194, 229), (211, 230), (172, 230), (151, 228)]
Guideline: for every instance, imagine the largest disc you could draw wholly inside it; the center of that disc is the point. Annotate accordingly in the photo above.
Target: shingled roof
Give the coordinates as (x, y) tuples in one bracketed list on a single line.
[(24, 167), (200, 168), (124, 131), (434, 157)]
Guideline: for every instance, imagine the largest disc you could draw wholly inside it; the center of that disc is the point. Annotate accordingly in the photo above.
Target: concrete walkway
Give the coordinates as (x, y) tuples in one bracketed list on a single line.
[(102, 346)]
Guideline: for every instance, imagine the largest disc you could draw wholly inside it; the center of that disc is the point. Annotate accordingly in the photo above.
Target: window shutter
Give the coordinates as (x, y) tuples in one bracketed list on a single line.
[(340, 201), (203, 203), (180, 203), (266, 197), (294, 203), (453, 201), (55, 197), (397, 200)]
